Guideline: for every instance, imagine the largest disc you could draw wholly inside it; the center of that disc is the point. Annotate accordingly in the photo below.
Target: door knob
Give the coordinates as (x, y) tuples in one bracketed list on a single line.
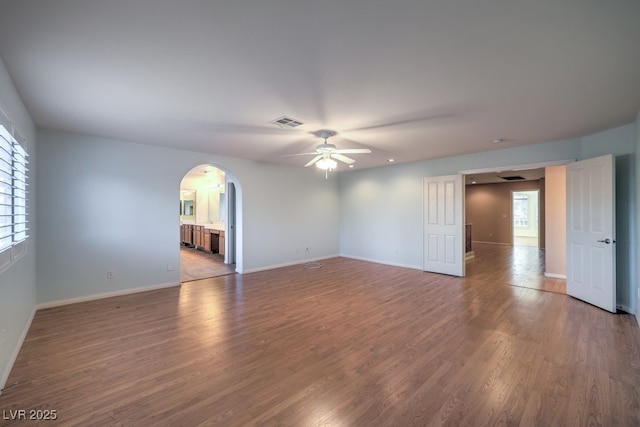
[(607, 241)]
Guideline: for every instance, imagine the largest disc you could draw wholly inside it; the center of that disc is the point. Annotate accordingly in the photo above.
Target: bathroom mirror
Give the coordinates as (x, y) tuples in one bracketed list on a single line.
[(187, 207), (188, 204)]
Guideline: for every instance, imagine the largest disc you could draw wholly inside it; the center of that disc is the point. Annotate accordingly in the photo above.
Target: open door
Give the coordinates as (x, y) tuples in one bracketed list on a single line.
[(443, 213), (231, 224), (591, 267)]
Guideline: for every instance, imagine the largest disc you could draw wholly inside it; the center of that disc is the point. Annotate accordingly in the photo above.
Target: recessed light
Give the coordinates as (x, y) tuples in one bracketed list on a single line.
[(473, 182), (391, 160), (498, 140), (350, 166)]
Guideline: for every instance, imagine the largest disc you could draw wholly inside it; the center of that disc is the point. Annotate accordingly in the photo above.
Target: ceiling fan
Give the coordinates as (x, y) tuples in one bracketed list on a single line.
[(326, 154)]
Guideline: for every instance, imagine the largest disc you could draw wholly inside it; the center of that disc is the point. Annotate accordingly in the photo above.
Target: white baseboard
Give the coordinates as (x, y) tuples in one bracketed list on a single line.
[(377, 261), (469, 255), (14, 356), (624, 308), (286, 264), (105, 295), (555, 276), (490, 243)]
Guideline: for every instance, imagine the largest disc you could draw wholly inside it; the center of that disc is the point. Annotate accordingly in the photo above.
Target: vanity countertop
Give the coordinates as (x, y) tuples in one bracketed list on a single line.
[(216, 227)]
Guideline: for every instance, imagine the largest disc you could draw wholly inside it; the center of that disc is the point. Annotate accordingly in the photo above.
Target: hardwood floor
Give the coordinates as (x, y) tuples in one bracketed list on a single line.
[(525, 241), (197, 265), (521, 266), (351, 343)]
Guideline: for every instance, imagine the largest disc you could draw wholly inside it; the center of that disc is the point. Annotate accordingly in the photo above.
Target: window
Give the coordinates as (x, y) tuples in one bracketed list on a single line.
[(520, 210), (13, 194)]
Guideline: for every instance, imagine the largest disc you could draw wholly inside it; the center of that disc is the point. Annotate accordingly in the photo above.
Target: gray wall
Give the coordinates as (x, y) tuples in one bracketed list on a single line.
[(18, 283), (111, 205), (637, 216), (381, 208)]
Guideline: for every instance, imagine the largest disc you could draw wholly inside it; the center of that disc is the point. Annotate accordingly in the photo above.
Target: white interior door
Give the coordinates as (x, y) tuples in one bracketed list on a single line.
[(591, 267), (443, 198), (230, 234)]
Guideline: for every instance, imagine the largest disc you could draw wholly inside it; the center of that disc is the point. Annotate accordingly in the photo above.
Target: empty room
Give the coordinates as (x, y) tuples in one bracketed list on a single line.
[(330, 164)]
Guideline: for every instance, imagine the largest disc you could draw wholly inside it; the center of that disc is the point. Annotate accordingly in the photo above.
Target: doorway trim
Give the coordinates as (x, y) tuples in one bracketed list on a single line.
[(238, 256), (518, 167)]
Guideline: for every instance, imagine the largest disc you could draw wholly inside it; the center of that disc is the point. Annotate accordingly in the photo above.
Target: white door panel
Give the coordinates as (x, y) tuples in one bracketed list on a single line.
[(443, 200), (591, 232)]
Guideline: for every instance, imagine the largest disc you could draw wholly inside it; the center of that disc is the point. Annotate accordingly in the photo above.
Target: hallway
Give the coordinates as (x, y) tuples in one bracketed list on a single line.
[(521, 266)]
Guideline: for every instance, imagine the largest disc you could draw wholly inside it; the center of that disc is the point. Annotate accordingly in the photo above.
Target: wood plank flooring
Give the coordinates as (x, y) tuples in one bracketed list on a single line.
[(349, 344), (197, 265), (525, 241), (522, 266)]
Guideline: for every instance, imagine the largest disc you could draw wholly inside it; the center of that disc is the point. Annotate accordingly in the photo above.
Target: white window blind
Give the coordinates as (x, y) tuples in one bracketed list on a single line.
[(13, 191)]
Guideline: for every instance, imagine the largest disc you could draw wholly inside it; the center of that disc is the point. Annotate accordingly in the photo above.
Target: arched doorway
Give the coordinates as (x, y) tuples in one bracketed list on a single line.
[(208, 223)]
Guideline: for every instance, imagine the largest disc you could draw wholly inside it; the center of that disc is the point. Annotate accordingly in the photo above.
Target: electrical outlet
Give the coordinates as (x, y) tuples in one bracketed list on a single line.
[(3, 337), (306, 250), (169, 266), (109, 274)]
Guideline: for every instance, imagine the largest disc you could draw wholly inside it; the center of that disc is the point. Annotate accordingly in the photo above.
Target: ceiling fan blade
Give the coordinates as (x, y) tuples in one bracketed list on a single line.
[(315, 159), (342, 158), (353, 151), (300, 154)]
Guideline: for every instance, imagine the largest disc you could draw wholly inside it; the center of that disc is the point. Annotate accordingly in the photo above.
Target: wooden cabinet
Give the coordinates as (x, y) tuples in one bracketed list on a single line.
[(197, 235), (206, 240), (186, 234), (215, 241), (202, 238)]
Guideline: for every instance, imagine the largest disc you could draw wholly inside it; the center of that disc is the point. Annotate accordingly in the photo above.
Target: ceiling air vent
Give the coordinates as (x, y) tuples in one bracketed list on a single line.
[(286, 122), (513, 178)]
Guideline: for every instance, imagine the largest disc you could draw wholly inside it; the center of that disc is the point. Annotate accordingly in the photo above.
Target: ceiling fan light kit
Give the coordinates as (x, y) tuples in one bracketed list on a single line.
[(326, 154), (326, 164)]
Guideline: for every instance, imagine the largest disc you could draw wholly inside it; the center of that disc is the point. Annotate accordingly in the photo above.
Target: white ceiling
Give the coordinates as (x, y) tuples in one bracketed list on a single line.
[(409, 79), (203, 176)]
